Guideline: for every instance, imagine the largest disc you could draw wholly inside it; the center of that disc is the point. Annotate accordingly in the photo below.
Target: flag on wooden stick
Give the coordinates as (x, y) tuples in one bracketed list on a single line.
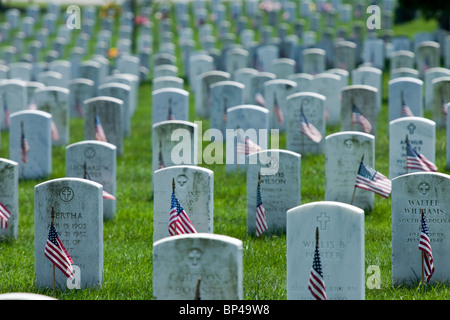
[(261, 222), (316, 284), (4, 216), (179, 222), (425, 248)]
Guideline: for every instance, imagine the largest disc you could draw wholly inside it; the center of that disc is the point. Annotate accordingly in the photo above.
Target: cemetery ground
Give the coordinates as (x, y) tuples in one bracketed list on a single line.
[(128, 237)]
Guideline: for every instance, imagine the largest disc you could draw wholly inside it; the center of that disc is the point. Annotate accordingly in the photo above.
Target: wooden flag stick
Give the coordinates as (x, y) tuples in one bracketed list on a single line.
[(173, 189), (54, 281), (197, 290), (354, 189), (421, 219), (317, 236), (406, 164)]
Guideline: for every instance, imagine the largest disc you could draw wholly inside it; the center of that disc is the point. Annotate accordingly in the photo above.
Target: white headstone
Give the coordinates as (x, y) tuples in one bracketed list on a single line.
[(341, 247), (9, 198)]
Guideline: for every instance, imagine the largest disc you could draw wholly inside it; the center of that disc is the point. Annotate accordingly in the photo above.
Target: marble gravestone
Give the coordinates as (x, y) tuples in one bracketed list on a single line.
[(429, 76), (78, 218), (309, 106), (224, 95), (109, 112), (280, 175), (55, 100), (30, 143), (170, 104), (79, 90), (313, 61), (412, 193), (329, 85), (174, 142), (421, 133), (251, 122), (340, 229), (257, 86), (441, 96), (9, 198), (427, 56), (96, 161), (202, 93), (275, 93), (210, 262), (405, 92), (122, 92), (345, 55), (343, 154), (364, 98), (14, 93), (194, 188), (372, 77)]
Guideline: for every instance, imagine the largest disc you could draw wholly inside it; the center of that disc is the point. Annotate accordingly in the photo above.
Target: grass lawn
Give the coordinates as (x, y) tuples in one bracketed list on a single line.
[(128, 237)]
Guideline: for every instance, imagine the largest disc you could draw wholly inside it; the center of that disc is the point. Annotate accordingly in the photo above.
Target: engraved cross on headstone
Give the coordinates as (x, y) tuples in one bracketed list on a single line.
[(411, 128), (323, 219), (423, 188), (194, 257)]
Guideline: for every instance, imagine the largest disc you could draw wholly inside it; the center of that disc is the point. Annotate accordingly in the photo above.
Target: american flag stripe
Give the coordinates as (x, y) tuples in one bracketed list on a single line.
[(259, 99), (4, 216), (425, 247), (261, 222), (371, 180), (406, 111), (418, 161), (24, 148), (309, 129), (444, 106), (107, 195), (248, 147), (316, 286), (359, 118), (55, 133), (179, 222), (279, 114), (99, 132), (57, 253)]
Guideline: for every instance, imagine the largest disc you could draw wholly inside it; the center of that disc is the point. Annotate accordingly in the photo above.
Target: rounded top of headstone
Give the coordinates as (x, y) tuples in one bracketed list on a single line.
[(81, 80), (183, 167), (24, 296), (114, 85), (174, 90), (359, 86), (227, 83), (349, 133), (306, 94), (280, 81), (11, 162), (67, 180), (200, 235), (335, 204), (409, 119), (248, 106), (327, 75), (445, 78), (31, 112), (405, 79), (53, 88), (103, 98), (92, 142), (420, 175), (178, 122)]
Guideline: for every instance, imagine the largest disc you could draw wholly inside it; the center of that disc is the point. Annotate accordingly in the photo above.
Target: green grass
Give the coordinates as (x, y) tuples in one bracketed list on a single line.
[(128, 237)]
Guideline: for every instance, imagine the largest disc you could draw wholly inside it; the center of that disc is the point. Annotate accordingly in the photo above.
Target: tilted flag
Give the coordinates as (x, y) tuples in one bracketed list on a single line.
[(160, 157), (406, 110), (57, 253), (79, 107), (24, 147), (426, 64), (55, 134), (278, 112), (359, 118), (425, 247), (6, 112), (416, 160), (106, 195), (316, 284), (4, 216), (369, 179), (245, 145), (309, 129), (99, 132), (259, 99), (170, 115), (261, 222), (444, 106), (179, 222)]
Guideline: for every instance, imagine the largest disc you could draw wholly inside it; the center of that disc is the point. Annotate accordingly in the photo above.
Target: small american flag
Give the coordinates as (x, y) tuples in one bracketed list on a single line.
[(99, 133), (316, 284), (79, 107), (425, 247), (57, 253), (170, 115), (426, 63), (160, 158), (406, 110), (309, 129), (24, 147), (179, 222), (444, 106), (245, 145), (106, 195), (6, 111), (369, 179), (417, 161), (278, 112), (261, 222), (55, 134), (4, 216), (359, 118), (259, 99)]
